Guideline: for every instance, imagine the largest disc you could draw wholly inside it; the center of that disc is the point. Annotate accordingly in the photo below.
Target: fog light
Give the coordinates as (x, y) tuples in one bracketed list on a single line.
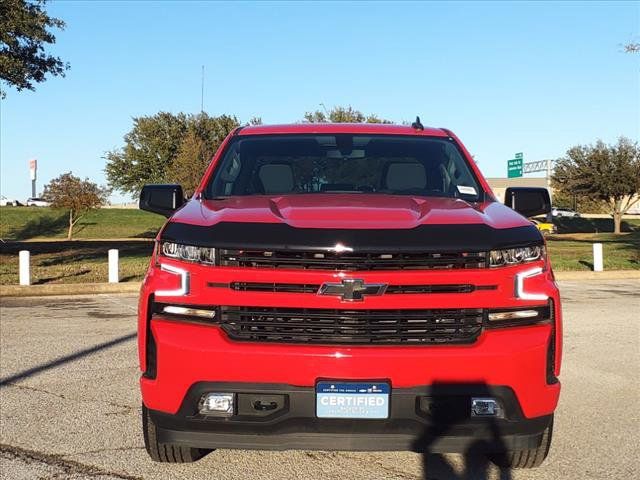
[(188, 311), (485, 407), (220, 404), (513, 315)]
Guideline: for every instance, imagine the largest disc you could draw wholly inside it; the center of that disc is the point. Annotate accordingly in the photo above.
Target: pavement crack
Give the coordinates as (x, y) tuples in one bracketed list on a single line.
[(100, 450), (381, 466), (36, 389), (68, 467), (125, 409)]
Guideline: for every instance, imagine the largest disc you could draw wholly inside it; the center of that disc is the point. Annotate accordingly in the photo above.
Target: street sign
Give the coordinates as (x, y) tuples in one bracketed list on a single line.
[(519, 156), (514, 167)]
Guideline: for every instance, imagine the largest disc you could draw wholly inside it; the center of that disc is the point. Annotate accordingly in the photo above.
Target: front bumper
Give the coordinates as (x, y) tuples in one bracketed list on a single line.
[(188, 353), (432, 418), (185, 354)]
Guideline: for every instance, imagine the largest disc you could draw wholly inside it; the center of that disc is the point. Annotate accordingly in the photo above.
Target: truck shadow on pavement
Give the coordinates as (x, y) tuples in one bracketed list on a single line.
[(475, 459), (66, 359)]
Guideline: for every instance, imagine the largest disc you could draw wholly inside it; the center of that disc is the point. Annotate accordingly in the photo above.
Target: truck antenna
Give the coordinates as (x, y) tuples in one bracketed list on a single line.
[(202, 92)]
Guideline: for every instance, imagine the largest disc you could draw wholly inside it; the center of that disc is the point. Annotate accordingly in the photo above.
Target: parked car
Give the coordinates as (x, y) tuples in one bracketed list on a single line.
[(546, 228), (564, 212), (37, 202), (348, 287), (8, 202)]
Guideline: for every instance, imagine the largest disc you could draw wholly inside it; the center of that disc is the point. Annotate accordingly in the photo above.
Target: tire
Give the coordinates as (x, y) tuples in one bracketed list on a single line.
[(166, 452), (529, 458)]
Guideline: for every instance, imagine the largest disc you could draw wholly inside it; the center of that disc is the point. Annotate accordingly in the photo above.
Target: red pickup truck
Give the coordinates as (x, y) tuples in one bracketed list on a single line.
[(348, 287)]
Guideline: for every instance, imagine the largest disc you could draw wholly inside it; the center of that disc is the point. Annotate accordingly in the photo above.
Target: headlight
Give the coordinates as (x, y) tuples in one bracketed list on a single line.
[(515, 256), (188, 253)]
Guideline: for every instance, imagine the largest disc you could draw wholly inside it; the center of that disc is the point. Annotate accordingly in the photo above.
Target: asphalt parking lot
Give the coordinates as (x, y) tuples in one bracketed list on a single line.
[(70, 403)]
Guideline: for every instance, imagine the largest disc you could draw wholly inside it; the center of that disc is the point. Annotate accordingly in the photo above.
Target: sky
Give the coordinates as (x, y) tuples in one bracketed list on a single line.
[(535, 78)]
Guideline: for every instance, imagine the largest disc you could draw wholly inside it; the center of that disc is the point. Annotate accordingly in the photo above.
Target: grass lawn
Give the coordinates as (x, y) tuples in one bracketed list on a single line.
[(85, 260), (38, 223), (76, 261), (574, 251)]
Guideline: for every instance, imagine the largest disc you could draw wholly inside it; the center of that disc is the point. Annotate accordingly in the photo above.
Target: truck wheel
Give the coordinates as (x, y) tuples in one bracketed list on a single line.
[(530, 458), (166, 452)]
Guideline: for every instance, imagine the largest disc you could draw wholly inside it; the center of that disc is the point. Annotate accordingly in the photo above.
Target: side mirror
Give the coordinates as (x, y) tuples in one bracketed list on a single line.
[(161, 199), (528, 201)]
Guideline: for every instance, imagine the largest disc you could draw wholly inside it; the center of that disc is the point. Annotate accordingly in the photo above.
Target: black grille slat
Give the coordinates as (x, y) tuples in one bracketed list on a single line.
[(328, 326), (415, 289), (313, 288), (350, 260), (274, 287)]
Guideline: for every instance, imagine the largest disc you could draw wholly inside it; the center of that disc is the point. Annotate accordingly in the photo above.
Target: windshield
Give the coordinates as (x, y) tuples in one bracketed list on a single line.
[(343, 163)]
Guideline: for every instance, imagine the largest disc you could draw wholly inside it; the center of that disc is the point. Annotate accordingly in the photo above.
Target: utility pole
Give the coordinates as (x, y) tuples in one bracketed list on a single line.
[(202, 92)]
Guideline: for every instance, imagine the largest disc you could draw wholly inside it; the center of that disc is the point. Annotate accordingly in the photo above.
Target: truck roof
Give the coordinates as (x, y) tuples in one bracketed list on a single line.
[(328, 128)]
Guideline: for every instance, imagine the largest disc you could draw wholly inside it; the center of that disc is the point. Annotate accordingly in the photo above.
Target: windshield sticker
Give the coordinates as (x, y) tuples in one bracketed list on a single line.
[(467, 190)]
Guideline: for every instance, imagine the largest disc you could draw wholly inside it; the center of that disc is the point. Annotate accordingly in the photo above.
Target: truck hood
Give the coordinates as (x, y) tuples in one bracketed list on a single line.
[(364, 222), (348, 211)]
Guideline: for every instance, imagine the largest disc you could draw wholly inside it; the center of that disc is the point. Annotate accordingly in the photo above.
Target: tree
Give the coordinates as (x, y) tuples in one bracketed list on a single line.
[(579, 203), (191, 161), (608, 173), (153, 146), (76, 195), (150, 147), (204, 136), (24, 31), (632, 47), (342, 115)]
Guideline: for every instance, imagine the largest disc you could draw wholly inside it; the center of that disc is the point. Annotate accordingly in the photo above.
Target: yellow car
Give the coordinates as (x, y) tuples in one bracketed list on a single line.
[(545, 227)]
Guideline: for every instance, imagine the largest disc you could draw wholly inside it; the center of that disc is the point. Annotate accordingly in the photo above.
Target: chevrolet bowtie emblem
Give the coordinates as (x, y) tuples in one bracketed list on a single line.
[(352, 289)]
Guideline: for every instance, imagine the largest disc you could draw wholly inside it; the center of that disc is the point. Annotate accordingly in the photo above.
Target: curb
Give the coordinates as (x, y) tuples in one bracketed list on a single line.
[(67, 289), (606, 275)]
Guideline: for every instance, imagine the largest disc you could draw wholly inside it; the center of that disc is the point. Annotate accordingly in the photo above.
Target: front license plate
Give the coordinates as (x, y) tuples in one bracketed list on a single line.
[(352, 400)]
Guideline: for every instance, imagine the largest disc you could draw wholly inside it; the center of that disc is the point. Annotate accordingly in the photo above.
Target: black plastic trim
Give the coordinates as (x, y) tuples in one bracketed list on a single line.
[(279, 287), (151, 349), (351, 327), (551, 349), (293, 423), (424, 238), (545, 315)]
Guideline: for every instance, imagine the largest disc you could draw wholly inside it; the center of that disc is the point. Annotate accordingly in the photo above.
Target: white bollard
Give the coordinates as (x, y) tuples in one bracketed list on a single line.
[(24, 270), (597, 257), (113, 266)]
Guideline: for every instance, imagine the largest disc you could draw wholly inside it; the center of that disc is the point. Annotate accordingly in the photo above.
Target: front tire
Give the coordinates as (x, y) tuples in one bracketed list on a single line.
[(166, 452), (529, 458)]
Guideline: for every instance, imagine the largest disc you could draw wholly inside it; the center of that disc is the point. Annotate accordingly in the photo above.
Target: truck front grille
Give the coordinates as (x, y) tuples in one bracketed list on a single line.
[(314, 287), (324, 260), (356, 327)]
